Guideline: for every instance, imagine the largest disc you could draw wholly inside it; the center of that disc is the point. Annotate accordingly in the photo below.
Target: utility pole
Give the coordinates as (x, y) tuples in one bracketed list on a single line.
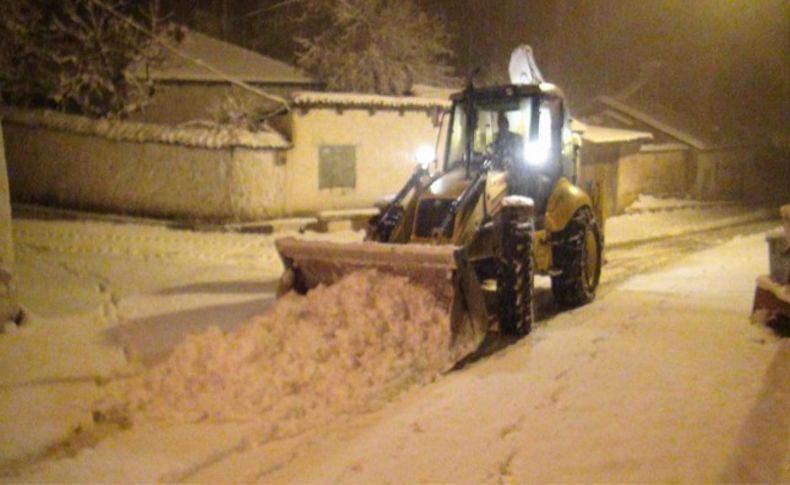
[(9, 310)]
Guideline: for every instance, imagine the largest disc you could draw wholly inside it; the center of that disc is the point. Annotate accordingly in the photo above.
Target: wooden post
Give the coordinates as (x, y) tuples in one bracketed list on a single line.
[(8, 305)]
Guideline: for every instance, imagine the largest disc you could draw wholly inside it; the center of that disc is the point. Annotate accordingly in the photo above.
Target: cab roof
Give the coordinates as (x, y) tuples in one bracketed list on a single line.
[(508, 91)]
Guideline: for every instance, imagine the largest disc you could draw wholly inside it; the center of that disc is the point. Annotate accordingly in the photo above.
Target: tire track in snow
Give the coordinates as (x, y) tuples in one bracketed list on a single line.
[(625, 262)]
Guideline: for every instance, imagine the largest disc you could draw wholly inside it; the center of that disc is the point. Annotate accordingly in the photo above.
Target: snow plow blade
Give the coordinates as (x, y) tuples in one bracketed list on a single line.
[(443, 270)]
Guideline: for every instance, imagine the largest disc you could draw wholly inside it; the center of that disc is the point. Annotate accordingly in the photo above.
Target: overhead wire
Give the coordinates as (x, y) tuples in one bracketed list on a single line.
[(231, 79), (261, 11)]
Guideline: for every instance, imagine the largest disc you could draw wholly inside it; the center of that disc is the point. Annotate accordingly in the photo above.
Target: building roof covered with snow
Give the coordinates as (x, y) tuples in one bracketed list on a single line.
[(602, 135), (230, 59), (667, 125)]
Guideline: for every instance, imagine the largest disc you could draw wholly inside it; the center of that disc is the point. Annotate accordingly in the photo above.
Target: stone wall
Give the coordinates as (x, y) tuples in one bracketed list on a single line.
[(192, 175), (8, 305)]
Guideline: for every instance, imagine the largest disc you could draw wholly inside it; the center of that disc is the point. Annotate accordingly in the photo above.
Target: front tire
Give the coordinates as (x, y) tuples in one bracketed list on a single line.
[(578, 257), (515, 278)]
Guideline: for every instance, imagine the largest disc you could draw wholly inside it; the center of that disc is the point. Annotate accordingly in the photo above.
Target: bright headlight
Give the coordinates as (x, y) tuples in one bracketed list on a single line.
[(536, 152), (424, 156)]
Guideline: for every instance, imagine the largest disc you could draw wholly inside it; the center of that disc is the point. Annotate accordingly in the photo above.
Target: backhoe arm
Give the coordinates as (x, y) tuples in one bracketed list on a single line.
[(382, 225), (460, 203)]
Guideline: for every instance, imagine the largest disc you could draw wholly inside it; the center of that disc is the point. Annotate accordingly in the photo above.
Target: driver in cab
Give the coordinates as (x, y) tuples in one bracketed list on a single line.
[(508, 147)]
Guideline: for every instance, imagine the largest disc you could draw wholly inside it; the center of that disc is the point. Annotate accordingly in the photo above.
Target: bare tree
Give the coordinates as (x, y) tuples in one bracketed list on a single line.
[(375, 46), (81, 56)]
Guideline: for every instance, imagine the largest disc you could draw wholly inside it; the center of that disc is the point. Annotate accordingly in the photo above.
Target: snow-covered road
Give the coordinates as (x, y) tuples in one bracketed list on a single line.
[(662, 379)]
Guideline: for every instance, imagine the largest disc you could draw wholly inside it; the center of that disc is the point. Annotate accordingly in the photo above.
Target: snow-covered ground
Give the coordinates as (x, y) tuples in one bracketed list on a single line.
[(664, 380), (652, 203), (661, 379), (654, 218)]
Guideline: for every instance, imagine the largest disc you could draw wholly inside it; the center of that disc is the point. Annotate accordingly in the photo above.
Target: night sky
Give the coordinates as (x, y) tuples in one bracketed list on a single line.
[(724, 60)]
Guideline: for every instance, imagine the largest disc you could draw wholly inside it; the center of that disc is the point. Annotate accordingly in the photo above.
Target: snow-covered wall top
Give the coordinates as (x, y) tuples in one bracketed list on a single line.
[(365, 101), (136, 132), (601, 135)]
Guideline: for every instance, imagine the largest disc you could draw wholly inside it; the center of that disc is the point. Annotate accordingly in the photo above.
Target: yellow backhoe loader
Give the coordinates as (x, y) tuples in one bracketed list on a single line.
[(502, 207)]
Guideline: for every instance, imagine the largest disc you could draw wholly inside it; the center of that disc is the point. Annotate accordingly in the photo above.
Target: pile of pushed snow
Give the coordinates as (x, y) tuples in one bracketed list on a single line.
[(336, 349)]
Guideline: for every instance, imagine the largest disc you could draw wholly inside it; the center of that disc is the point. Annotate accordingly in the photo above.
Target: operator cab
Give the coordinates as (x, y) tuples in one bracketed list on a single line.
[(523, 129)]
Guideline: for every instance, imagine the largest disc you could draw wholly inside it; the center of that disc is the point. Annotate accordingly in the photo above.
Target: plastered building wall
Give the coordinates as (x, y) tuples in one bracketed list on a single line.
[(385, 141), (8, 305), (152, 179)]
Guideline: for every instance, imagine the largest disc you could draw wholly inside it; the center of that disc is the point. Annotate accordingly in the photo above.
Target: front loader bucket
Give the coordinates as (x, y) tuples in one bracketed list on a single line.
[(443, 270)]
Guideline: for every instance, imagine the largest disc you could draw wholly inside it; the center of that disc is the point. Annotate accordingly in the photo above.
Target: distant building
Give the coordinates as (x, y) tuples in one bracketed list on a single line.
[(688, 158), (186, 91), (609, 158), (350, 150)]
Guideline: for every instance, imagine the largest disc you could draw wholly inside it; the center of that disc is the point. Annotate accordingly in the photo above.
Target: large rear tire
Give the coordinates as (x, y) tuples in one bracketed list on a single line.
[(578, 257), (515, 278)]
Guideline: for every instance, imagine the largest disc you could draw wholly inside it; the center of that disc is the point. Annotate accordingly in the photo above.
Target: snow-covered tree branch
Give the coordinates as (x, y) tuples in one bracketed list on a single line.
[(375, 46), (75, 55)]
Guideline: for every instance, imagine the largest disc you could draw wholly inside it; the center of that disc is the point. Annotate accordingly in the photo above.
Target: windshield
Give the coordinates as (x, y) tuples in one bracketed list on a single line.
[(513, 130)]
